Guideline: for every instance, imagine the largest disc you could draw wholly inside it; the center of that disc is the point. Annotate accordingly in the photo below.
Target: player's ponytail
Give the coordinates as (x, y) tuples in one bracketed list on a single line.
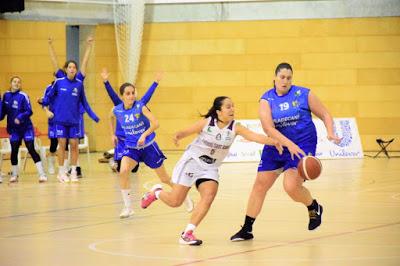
[(212, 112)]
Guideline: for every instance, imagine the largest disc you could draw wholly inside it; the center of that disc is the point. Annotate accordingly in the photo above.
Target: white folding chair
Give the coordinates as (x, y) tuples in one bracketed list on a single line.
[(38, 147), (5, 148), (84, 145)]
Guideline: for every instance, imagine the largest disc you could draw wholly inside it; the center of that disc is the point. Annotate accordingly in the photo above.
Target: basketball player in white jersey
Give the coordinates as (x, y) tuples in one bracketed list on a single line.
[(201, 160)]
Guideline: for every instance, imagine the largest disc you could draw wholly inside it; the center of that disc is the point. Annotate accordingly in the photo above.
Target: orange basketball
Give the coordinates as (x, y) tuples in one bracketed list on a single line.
[(309, 167)]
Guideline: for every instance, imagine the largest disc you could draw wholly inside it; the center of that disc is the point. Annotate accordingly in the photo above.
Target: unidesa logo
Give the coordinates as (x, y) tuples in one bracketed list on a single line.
[(347, 136)]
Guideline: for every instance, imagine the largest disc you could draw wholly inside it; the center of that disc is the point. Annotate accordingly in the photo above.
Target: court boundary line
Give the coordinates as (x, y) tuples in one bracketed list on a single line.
[(288, 244)]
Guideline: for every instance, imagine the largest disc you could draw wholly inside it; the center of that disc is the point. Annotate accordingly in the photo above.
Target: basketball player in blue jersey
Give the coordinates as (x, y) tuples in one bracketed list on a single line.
[(285, 114), (201, 160), (139, 125), (17, 107), (118, 136), (59, 73), (66, 96), (119, 142)]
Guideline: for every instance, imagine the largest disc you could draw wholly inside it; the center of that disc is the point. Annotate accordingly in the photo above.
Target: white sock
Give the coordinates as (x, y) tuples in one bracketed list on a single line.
[(157, 193), (77, 163), (51, 160), (66, 163), (14, 170), (190, 227), (73, 169), (39, 167), (61, 170), (126, 197)]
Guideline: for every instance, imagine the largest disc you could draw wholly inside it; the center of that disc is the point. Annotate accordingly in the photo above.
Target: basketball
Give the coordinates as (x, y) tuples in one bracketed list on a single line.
[(309, 167)]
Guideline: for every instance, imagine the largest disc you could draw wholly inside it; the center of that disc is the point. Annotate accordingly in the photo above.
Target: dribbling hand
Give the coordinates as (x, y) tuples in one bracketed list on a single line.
[(278, 146), (295, 150)]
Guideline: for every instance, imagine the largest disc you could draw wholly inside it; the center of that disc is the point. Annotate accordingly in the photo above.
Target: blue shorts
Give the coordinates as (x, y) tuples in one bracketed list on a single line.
[(27, 135), (151, 155), (119, 149), (51, 132), (271, 160), (67, 132)]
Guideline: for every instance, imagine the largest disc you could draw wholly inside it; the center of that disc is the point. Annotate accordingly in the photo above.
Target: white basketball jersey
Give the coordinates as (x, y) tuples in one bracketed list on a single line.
[(212, 144)]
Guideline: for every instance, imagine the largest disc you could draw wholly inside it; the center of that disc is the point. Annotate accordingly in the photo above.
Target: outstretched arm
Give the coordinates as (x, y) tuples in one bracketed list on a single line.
[(322, 113), (149, 93), (89, 44), (53, 56), (111, 93), (259, 138), (193, 129)]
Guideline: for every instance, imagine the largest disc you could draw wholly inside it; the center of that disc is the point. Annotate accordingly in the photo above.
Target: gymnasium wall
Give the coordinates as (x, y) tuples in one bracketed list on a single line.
[(352, 65), (24, 52)]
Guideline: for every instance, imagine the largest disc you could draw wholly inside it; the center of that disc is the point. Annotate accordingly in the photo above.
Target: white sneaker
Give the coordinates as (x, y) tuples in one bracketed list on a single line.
[(42, 179), (63, 178), (13, 179), (74, 178), (126, 213), (188, 204)]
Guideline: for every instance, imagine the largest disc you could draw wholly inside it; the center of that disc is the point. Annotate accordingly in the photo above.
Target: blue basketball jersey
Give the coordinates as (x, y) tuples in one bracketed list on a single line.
[(134, 123), (291, 114)]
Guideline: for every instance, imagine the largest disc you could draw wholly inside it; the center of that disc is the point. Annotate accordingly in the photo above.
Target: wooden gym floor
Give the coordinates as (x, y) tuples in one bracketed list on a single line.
[(78, 224)]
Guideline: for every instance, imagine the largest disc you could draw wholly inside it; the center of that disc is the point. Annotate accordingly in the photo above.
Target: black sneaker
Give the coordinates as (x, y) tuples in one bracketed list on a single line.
[(79, 172), (134, 170), (242, 235), (315, 217)]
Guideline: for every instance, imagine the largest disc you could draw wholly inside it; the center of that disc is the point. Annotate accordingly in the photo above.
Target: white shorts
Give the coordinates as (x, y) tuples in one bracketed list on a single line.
[(187, 171)]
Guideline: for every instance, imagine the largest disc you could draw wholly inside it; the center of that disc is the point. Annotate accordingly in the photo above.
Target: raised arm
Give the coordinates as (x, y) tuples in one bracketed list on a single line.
[(53, 56), (110, 91), (322, 113), (89, 44), (149, 93), (193, 129)]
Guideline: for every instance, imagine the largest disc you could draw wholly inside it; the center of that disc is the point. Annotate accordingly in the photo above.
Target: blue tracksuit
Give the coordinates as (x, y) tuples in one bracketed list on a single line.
[(66, 96), (16, 105)]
